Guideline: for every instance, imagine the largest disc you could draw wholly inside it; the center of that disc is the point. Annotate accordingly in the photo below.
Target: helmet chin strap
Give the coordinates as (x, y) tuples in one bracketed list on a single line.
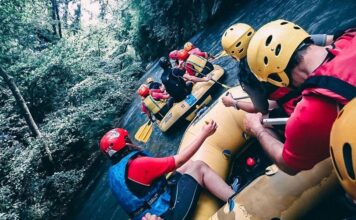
[(134, 146), (124, 152)]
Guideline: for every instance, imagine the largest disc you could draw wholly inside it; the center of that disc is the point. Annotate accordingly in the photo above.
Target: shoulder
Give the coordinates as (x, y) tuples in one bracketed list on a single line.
[(314, 108), (308, 132)]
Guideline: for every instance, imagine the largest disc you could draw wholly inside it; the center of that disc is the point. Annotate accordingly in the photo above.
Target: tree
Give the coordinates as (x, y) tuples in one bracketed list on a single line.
[(56, 18), (25, 111)]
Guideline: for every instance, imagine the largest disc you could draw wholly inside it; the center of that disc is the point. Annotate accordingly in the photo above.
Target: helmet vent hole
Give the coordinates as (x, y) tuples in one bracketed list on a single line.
[(225, 34), (342, 111), (268, 40), (335, 164), (249, 33), (296, 27), (238, 44), (284, 23), (232, 51), (278, 49), (240, 51), (231, 29), (265, 60), (347, 153), (275, 77)]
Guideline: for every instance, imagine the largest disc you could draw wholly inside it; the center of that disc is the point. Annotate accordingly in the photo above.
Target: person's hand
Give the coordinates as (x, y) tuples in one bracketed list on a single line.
[(253, 123), (209, 128), (208, 77), (228, 101), (148, 216)]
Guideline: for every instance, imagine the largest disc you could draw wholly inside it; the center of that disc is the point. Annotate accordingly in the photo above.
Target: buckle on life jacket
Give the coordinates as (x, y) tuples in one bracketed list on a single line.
[(148, 204)]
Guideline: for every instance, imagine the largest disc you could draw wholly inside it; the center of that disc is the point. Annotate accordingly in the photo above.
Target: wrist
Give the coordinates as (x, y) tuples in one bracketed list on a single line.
[(235, 104), (260, 133)]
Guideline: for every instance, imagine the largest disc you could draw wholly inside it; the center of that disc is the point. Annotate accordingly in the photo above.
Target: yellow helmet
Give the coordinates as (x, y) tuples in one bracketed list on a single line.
[(149, 80), (271, 48), (236, 38), (188, 46), (343, 147)]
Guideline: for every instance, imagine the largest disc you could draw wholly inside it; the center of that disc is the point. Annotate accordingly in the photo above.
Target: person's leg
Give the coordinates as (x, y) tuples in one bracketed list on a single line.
[(170, 102), (189, 86), (185, 195), (207, 69), (208, 179)]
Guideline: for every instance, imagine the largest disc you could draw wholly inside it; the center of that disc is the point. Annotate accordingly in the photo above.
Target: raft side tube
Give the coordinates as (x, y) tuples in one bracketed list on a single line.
[(281, 196)]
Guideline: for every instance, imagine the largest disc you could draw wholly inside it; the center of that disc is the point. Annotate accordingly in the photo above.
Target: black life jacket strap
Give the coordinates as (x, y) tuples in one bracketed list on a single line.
[(331, 83)]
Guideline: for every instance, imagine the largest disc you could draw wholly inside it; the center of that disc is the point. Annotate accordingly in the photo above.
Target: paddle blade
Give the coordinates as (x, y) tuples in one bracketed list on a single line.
[(144, 132)]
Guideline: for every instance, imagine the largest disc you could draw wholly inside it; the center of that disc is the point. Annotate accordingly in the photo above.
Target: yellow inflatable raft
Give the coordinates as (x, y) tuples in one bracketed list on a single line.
[(280, 196), (274, 195), (217, 150), (187, 108)]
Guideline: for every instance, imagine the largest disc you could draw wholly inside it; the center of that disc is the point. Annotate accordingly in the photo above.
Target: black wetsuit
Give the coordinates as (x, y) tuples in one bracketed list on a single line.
[(175, 85)]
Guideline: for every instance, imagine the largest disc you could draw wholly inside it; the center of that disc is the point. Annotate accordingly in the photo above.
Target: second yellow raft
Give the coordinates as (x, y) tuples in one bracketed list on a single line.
[(217, 150)]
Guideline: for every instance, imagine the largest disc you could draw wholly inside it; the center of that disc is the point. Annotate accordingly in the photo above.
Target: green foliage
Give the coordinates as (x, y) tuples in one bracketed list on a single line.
[(75, 87)]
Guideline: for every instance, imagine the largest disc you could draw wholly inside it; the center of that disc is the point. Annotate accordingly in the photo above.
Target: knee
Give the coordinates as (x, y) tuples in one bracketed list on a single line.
[(199, 166)]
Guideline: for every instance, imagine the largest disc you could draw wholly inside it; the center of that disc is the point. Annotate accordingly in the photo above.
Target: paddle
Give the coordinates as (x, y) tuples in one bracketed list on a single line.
[(220, 54), (275, 121), (223, 85), (144, 132)]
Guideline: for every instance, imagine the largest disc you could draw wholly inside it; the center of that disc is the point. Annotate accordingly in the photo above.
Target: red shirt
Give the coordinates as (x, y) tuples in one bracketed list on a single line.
[(308, 132), (144, 170)]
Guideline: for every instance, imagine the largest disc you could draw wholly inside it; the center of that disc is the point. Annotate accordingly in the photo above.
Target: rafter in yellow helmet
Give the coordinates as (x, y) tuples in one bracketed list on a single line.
[(271, 48), (236, 39), (343, 147)]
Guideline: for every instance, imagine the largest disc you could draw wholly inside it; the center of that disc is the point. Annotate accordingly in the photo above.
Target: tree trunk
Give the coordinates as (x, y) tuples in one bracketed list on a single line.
[(65, 14), (54, 27), (58, 18), (25, 111)]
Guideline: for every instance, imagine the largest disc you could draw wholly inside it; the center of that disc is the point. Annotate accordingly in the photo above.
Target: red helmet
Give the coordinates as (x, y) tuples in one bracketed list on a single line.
[(173, 55), (113, 141), (143, 91), (183, 54)]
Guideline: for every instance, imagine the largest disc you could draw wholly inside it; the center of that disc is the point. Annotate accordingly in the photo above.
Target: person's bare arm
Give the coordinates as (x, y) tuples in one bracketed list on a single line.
[(194, 78), (329, 40), (229, 101), (188, 152), (272, 104), (270, 144)]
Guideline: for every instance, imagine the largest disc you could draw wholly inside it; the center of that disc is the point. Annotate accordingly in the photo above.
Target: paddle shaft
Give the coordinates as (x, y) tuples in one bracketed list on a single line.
[(275, 121), (223, 85), (220, 54)]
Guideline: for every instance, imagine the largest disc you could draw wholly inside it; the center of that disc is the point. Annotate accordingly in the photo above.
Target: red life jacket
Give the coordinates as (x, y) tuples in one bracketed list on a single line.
[(336, 77), (285, 99)]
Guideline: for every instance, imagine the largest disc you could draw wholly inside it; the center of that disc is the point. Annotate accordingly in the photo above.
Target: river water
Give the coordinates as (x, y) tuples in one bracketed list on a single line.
[(316, 16)]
